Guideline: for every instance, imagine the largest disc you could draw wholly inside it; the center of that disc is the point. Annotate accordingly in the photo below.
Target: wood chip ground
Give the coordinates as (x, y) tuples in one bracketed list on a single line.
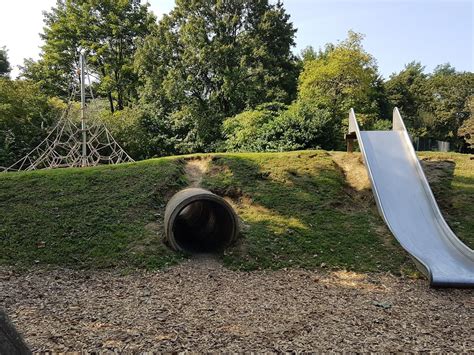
[(202, 306)]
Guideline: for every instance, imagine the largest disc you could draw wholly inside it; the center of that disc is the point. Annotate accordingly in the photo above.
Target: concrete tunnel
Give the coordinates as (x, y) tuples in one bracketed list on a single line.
[(198, 221)]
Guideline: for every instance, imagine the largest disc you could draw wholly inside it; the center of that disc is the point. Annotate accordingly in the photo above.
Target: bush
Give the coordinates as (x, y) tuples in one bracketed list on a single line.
[(126, 129), (135, 129), (26, 116), (246, 131), (275, 127)]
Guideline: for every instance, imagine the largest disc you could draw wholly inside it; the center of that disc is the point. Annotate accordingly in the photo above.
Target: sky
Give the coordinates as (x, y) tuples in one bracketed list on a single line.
[(396, 31)]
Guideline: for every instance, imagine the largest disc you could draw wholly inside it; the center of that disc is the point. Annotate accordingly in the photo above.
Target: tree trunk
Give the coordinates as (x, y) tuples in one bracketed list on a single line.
[(109, 94), (119, 88), (111, 102), (120, 100)]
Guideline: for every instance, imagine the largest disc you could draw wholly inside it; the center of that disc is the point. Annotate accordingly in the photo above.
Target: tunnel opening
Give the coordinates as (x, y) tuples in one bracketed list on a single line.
[(198, 221)]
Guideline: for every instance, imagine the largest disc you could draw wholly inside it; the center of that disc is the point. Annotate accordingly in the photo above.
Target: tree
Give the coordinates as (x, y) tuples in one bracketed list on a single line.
[(4, 63), (434, 105), (275, 127), (340, 77), (409, 91), (466, 131), (246, 131), (25, 118), (211, 59), (308, 54), (451, 92), (108, 30)]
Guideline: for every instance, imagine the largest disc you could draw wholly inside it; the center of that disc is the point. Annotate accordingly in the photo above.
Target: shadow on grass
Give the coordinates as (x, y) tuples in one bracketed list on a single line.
[(92, 217), (297, 209), (297, 214), (454, 193)]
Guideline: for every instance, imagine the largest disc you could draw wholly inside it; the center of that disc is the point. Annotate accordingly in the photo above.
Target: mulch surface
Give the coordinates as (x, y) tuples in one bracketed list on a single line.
[(202, 306)]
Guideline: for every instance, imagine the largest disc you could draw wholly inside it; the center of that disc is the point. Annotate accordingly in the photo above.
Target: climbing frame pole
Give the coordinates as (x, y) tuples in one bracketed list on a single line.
[(83, 108)]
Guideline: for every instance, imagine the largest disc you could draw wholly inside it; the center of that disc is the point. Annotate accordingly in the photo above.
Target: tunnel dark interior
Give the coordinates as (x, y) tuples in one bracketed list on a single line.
[(204, 226)]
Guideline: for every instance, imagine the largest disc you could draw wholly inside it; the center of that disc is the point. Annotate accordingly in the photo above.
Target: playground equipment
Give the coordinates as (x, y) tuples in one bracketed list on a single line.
[(407, 205), (196, 220), (71, 145)]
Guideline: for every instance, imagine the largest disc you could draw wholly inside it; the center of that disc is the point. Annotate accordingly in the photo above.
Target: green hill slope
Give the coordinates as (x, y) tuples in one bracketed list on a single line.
[(300, 209)]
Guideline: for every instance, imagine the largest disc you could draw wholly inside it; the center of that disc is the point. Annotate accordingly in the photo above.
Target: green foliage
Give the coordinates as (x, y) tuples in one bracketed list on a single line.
[(450, 95), (434, 105), (308, 54), (340, 77), (382, 125), (248, 130), (4, 63), (208, 60), (133, 129), (217, 74), (303, 126), (343, 76), (466, 131), (334, 80), (108, 30), (274, 127), (297, 214), (124, 126), (26, 115), (408, 90)]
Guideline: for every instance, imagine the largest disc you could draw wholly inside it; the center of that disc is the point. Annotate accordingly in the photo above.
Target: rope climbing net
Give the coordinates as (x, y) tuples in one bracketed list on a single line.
[(70, 144)]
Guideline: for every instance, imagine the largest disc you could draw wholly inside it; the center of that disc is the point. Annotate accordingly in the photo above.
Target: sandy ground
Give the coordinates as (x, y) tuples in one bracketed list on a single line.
[(201, 306)]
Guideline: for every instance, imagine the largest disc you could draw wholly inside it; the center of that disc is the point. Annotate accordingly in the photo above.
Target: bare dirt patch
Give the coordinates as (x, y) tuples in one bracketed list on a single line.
[(195, 170), (201, 306), (353, 169), (437, 170), (358, 184)]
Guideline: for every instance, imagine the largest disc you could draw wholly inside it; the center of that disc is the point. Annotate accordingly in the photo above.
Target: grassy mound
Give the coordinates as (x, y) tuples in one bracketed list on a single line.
[(451, 178), (300, 209), (93, 217)]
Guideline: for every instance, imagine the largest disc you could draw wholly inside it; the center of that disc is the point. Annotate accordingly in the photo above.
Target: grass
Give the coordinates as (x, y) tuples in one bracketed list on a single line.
[(92, 217), (297, 211), (452, 181)]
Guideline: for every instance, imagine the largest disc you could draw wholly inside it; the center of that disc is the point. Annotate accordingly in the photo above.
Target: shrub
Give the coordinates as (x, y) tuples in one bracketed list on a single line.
[(275, 127)]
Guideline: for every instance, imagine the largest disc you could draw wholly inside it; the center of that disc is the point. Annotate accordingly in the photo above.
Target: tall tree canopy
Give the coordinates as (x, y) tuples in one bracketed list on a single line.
[(466, 131), (211, 59), (26, 114), (434, 105), (408, 90), (4, 63), (108, 30), (342, 76), (451, 94)]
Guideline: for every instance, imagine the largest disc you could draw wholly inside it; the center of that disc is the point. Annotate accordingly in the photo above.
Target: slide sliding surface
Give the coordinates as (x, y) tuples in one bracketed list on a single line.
[(406, 203)]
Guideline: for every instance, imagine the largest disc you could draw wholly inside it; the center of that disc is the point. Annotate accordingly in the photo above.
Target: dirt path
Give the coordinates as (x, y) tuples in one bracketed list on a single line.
[(199, 305), (195, 170), (353, 169)]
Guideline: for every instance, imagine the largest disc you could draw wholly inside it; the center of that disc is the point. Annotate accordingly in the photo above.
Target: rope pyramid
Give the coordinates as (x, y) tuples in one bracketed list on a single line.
[(62, 148)]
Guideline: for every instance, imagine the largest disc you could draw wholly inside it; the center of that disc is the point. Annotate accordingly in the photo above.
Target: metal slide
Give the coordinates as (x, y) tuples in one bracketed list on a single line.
[(407, 205)]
